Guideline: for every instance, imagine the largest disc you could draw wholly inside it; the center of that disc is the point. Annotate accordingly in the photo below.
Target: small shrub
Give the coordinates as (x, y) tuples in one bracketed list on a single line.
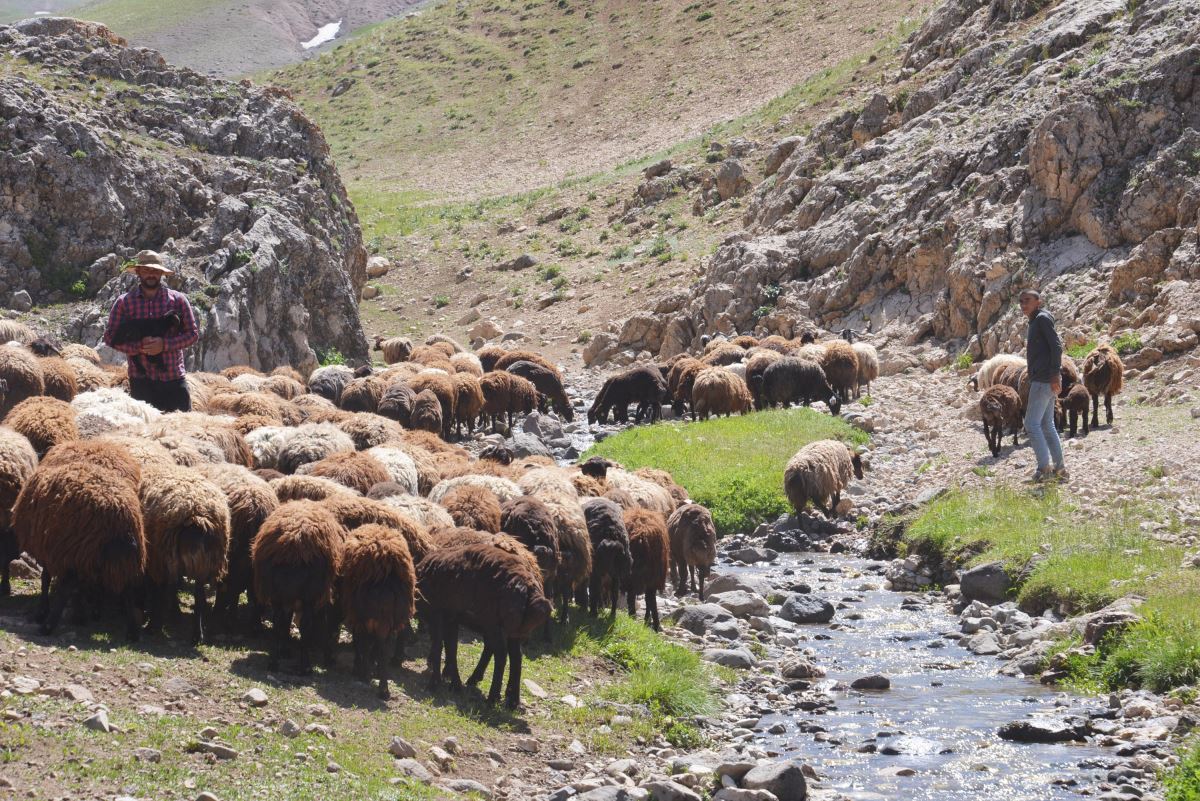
[(1129, 342), (1082, 350), (704, 16), (441, 301), (584, 337), (549, 272), (79, 155), (1183, 782), (331, 356), (1156, 471), (964, 361)]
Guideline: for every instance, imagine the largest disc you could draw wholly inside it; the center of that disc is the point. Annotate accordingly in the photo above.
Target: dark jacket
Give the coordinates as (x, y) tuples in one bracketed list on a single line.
[(1043, 348)]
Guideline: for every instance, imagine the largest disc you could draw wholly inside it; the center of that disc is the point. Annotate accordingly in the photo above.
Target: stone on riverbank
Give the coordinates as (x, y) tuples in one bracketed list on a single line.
[(799, 608)]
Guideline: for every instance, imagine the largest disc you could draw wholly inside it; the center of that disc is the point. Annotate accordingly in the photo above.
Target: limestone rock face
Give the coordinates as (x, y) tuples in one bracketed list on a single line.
[(1056, 151), (106, 150)]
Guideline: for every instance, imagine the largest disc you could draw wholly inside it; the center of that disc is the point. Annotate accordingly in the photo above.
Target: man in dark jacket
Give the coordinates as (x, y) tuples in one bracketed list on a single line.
[(1043, 355)]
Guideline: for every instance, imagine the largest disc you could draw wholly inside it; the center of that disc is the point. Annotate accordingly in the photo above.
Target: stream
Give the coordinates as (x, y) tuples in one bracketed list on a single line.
[(942, 712)]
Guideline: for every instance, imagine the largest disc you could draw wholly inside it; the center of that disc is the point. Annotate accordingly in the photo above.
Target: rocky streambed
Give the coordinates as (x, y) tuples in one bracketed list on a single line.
[(847, 689)]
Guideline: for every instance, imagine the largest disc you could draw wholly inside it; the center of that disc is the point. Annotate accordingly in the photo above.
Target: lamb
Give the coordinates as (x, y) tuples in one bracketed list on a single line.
[(329, 381), (83, 524), (468, 401), (1103, 374), (396, 349), (22, 373), (794, 380), (987, 373), (135, 330), (506, 393), (353, 469), (645, 385), (818, 471), (473, 507), (868, 366), (1000, 408), (44, 421), (548, 384), (718, 391), (296, 558), (59, 378), (489, 590), (610, 550), (693, 541), (1075, 405), (648, 552), (396, 403), (376, 587), (427, 413), (840, 364), (186, 519), (251, 501), (18, 460)]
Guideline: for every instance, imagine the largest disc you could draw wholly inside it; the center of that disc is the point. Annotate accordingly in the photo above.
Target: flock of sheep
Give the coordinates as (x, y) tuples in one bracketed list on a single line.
[(1004, 380), (330, 499), (734, 375)]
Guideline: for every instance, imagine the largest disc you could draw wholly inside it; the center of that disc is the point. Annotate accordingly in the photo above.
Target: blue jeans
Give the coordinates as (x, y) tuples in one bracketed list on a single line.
[(1039, 424)]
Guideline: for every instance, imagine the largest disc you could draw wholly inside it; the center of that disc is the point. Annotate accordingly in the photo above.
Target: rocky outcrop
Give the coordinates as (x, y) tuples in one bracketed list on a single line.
[(106, 150), (1022, 144)]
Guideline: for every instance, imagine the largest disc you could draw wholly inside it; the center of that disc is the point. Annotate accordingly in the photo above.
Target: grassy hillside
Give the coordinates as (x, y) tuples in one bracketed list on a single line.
[(13, 10), (477, 98)]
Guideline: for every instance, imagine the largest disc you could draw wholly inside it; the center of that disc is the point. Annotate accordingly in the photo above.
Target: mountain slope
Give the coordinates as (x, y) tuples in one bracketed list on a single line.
[(476, 99), (1019, 147)]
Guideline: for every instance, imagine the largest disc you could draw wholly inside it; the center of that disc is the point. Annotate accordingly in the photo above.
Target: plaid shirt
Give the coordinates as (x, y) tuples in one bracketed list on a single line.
[(133, 305)]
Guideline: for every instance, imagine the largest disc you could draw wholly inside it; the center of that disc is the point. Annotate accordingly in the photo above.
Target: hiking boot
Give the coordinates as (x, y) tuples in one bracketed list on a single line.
[(1041, 476), (1061, 474)]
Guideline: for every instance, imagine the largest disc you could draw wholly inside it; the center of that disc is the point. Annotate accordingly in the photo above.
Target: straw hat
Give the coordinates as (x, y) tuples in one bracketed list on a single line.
[(149, 258)]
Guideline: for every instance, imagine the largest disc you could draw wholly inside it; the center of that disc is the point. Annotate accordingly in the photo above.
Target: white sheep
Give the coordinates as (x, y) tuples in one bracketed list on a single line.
[(868, 366), (820, 471), (502, 488)]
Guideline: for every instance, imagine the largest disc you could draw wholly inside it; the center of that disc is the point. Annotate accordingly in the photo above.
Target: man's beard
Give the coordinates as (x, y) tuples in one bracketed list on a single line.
[(150, 283)]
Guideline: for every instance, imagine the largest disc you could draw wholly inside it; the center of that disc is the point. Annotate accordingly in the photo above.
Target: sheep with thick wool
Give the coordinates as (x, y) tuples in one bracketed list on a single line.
[(353, 511), (840, 364), (548, 384), (251, 501), (309, 488), (362, 394), (644, 385), (395, 349), (59, 378), (574, 548), (643, 492), (44, 421), (511, 357), (312, 442), (868, 366), (681, 377), (354, 469), (1075, 403), (329, 381), (502, 488), (427, 413), (83, 524), (397, 401), (296, 558), (610, 552), (22, 373), (818, 473), (649, 555), (492, 591), (693, 544), (376, 589), (186, 520), (1103, 374), (468, 401), (18, 460), (1000, 408), (717, 391), (506, 394), (400, 466), (529, 521), (986, 375), (756, 365), (368, 430), (473, 507), (421, 510)]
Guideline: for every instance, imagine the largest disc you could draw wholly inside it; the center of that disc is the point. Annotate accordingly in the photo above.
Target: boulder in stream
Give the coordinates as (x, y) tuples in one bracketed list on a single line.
[(806, 609)]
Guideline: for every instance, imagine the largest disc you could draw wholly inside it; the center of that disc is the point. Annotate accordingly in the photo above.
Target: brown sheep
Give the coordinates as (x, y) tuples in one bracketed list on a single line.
[(59, 378), (511, 357), (1075, 405), (468, 402), (717, 391), (396, 403), (443, 387), (186, 520), (396, 349), (377, 590), (693, 546), (574, 549), (680, 379), (645, 385), (506, 394), (83, 524), (1000, 409), (296, 558), (840, 364), (239, 369), (548, 384), (17, 463), (530, 522), (649, 557), (473, 507), (489, 590), (427, 413), (362, 394), (665, 480), (251, 501), (357, 470), (352, 511), (307, 488), (1103, 374), (756, 366), (776, 343), (467, 363), (22, 373), (488, 356), (44, 421), (745, 341), (368, 430), (720, 354), (587, 486)]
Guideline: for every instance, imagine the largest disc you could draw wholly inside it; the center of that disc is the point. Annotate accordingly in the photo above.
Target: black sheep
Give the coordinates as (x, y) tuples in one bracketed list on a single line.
[(643, 385), (134, 330), (548, 384), (793, 380), (610, 550)]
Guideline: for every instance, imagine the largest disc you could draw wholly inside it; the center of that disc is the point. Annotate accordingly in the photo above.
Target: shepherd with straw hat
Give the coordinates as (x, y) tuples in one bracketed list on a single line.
[(156, 373)]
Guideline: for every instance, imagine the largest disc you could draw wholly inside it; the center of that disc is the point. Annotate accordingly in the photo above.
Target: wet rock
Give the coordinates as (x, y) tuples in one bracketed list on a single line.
[(698, 618), (728, 582), (1044, 730), (806, 609), (799, 667), (788, 541), (751, 555), (741, 604), (739, 794), (729, 657), (784, 779), (523, 444), (542, 426), (911, 745), (984, 644), (667, 790), (988, 583), (872, 682)]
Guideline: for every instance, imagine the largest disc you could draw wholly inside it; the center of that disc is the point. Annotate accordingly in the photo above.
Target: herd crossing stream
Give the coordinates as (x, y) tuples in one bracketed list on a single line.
[(938, 722)]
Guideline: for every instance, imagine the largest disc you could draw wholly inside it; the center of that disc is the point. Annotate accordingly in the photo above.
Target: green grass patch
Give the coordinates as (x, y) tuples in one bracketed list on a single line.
[(1081, 350), (1183, 782), (1129, 342), (1081, 561), (732, 465)]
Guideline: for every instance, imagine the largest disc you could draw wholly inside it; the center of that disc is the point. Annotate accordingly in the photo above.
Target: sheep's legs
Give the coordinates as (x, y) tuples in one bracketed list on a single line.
[(8, 552), (701, 574), (133, 614), (309, 632), (631, 604), (1096, 410), (43, 607), (615, 590), (1108, 407), (199, 613), (281, 624), (652, 609), (497, 644), (434, 659), (64, 588), (481, 667), (512, 695), (385, 648), (450, 641)]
